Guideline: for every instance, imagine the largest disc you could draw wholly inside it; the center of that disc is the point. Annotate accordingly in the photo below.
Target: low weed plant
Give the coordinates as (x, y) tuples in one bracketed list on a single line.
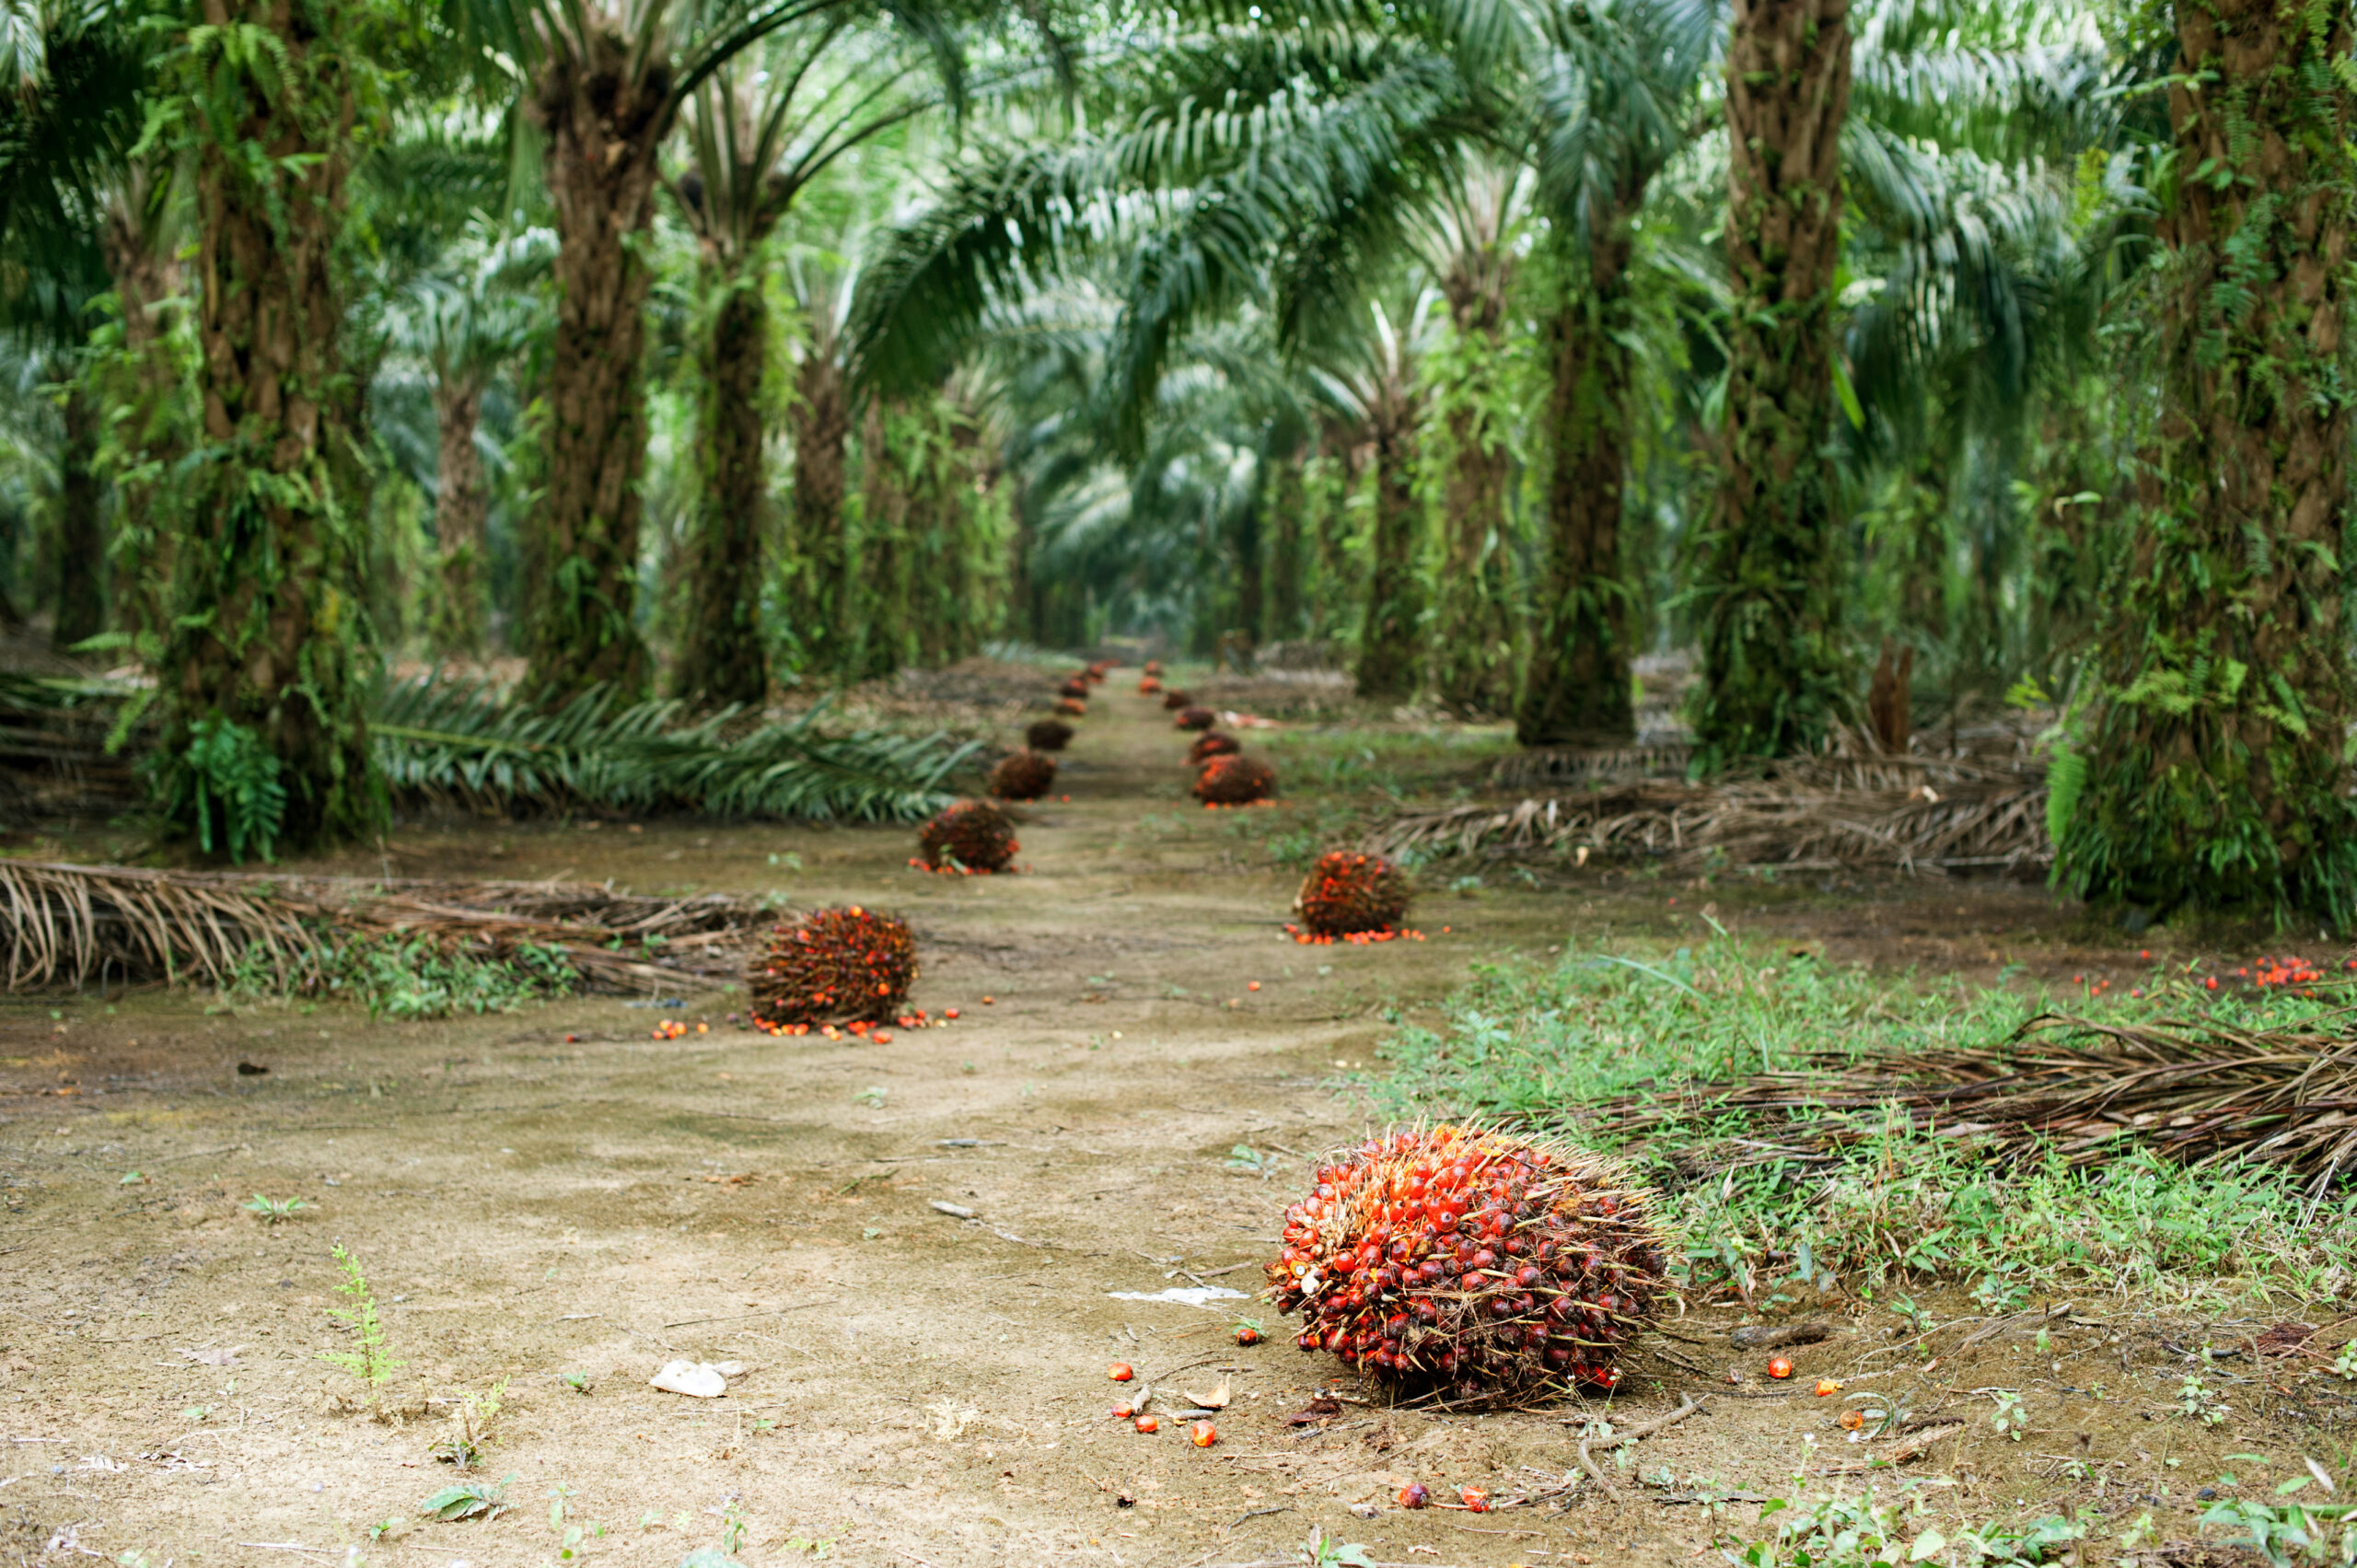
[(1544, 1044), (408, 977)]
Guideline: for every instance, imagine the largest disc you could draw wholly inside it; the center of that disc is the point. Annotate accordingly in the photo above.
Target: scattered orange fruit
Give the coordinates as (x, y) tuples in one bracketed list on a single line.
[(988, 1000), (1475, 1499), (1124, 1411), (1415, 1495), (881, 1038), (1853, 1420), (1827, 1386), (1121, 1372), (1252, 985), (1149, 1423), (1203, 1434), (1779, 1367), (950, 1012)]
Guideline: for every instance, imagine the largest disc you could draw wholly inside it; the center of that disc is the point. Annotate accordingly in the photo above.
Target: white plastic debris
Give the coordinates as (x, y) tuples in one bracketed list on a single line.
[(698, 1380), (1185, 1296)]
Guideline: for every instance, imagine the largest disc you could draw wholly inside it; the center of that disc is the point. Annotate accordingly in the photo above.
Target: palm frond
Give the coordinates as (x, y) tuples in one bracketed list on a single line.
[(465, 744)]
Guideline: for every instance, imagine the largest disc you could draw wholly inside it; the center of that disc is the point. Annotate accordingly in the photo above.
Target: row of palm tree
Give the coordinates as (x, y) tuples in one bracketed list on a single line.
[(1494, 339)]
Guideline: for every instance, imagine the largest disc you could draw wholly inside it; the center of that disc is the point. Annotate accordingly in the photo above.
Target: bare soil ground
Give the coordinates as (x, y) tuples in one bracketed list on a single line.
[(555, 1193)]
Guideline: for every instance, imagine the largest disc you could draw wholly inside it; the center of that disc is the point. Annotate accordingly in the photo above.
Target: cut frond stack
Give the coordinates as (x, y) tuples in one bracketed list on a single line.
[(2195, 1090), (69, 924), (1812, 815)]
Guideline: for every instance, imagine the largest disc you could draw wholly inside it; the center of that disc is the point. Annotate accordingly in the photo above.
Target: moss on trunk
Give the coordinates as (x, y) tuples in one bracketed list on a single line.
[(2214, 766), (1775, 675), (723, 658)]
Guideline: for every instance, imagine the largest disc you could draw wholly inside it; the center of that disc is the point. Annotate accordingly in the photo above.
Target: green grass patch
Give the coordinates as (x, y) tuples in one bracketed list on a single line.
[(1546, 1043), (408, 977)]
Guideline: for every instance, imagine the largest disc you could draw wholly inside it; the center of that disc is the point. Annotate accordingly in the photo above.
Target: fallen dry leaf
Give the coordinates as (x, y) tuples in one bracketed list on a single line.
[(1217, 1399)]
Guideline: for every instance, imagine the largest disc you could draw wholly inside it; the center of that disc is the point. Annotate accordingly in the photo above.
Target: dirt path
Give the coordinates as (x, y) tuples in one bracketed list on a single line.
[(553, 1195)]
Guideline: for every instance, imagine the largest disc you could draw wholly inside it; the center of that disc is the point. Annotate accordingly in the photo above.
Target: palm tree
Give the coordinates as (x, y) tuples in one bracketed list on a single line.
[(761, 130), (2212, 765), (1774, 672), (465, 320), (608, 82), (1610, 100), (1370, 382)]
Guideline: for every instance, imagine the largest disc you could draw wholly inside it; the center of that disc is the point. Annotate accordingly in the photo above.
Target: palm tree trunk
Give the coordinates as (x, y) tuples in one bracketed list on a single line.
[(1390, 641), (461, 615), (1336, 587), (1774, 674), (1284, 550), (1473, 631), (884, 638), (81, 525), (2215, 764), (722, 657), (265, 674), (146, 272), (817, 596), (605, 123), (1576, 689), (1251, 568)]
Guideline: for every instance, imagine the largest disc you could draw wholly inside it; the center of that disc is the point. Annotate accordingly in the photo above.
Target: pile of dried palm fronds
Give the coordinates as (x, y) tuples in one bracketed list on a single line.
[(68, 924), (1909, 812), (2198, 1091)]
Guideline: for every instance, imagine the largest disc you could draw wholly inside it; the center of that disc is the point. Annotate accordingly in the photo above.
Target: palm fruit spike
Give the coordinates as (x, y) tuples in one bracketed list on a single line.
[(1235, 781), (1072, 707), (1047, 735), (972, 834), (1022, 775), (1149, 686), (1347, 891), (1465, 1259), (1173, 699), (835, 966), (1073, 688), (1196, 718), (1212, 743)]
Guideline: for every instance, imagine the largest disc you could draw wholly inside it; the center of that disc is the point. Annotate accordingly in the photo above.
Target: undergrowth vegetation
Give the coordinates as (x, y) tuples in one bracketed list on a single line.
[(1901, 1207), (397, 976)]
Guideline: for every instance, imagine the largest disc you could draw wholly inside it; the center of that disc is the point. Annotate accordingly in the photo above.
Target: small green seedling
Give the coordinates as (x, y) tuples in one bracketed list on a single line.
[(271, 1211), (132, 1179), (871, 1096), (2012, 1418), (1246, 1161), (465, 1447), (373, 1361), (468, 1500), (576, 1381)]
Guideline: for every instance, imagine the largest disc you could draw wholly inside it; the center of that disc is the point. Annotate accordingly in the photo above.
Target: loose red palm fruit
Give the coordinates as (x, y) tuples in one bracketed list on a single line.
[(1779, 1367), (1246, 1334), (1474, 1498), (1203, 1434), (1121, 1372), (1149, 1423), (1415, 1495)]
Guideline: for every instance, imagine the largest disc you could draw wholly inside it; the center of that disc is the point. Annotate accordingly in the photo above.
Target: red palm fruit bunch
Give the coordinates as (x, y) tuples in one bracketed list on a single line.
[(1348, 891), (1173, 699), (1049, 735), (1235, 781), (1196, 718), (1149, 686), (1463, 1259), (837, 964), (1097, 671), (972, 835), (1072, 707), (1154, 667), (1073, 688), (1212, 743), (1022, 775)]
